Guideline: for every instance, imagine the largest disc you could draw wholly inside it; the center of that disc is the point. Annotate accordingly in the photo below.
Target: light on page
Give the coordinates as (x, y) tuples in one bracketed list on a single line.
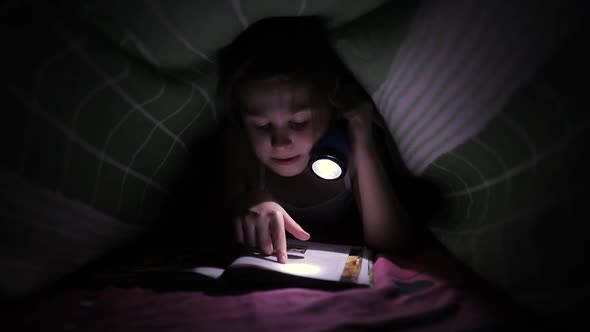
[(301, 269)]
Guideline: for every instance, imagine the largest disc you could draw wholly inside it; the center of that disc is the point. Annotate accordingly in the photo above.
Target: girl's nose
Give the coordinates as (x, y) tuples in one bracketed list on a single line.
[(281, 139)]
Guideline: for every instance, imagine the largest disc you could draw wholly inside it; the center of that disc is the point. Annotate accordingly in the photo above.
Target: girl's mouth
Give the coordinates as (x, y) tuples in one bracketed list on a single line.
[(285, 161)]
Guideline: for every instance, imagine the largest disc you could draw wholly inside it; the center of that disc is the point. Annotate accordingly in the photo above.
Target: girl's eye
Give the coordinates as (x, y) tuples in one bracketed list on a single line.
[(299, 125), (264, 128)]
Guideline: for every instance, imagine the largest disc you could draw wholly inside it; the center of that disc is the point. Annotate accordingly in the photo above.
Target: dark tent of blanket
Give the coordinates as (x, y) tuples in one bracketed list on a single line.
[(108, 106)]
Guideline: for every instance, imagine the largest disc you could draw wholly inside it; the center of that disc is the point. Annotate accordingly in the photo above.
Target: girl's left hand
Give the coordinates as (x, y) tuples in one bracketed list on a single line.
[(360, 122)]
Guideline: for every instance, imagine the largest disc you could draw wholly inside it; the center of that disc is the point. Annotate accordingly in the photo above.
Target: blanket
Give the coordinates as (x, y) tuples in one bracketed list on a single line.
[(428, 291)]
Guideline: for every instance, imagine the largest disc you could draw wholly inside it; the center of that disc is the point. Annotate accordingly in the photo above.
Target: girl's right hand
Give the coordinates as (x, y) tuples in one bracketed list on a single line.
[(263, 225)]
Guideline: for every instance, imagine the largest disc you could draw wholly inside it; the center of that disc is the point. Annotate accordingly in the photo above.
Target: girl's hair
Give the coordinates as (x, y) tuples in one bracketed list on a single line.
[(298, 48)]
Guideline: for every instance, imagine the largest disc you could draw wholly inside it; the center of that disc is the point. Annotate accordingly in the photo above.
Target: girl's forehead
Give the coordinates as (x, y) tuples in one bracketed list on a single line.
[(276, 94)]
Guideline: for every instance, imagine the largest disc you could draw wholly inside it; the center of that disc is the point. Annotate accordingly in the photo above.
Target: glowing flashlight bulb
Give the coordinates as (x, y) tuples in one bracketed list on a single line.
[(326, 169)]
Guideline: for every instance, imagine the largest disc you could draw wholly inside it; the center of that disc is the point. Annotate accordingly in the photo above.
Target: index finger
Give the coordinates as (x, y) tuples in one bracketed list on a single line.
[(294, 228), (279, 239)]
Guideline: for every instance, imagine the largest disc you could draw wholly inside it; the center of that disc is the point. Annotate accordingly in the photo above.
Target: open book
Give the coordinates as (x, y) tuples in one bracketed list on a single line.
[(310, 264)]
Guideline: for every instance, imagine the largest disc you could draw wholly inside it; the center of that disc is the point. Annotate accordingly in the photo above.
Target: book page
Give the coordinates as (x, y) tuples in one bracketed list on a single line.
[(314, 260), (366, 270), (209, 271)]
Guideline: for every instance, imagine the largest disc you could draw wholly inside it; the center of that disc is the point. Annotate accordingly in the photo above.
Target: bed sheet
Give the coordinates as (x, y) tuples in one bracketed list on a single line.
[(427, 292)]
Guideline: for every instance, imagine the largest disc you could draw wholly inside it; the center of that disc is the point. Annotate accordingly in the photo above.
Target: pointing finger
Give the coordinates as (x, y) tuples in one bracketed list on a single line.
[(279, 239), (292, 227)]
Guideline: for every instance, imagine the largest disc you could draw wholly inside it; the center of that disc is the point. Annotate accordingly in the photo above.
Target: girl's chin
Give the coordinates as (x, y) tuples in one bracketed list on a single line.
[(287, 172)]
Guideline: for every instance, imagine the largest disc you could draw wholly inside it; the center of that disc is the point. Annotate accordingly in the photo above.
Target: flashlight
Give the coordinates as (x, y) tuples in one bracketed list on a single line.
[(329, 158)]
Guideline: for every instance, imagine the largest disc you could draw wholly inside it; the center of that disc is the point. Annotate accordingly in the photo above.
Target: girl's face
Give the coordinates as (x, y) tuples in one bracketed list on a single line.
[(281, 123)]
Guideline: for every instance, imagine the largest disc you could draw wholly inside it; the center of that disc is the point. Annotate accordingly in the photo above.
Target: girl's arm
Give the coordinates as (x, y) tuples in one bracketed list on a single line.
[(258, 221), (384, 221)]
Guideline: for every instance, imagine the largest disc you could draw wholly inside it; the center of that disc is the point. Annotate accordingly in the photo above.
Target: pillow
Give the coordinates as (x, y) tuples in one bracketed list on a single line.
[(516, 193), (486, 100)]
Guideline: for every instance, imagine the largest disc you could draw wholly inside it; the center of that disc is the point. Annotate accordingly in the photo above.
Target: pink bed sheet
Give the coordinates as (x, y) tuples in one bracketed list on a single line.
[(412, 295)]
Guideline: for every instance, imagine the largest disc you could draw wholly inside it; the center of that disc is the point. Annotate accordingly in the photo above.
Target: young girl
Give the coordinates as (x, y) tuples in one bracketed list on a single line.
[(283, 86)]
